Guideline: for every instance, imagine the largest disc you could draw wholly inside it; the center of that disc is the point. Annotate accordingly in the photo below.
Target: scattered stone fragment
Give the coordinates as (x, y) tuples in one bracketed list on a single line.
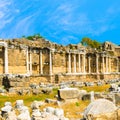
[(19, 104), (7, 111), (59, 112), (24, 114), (49, 110), (36, 114), (102, 109), (36, 104)]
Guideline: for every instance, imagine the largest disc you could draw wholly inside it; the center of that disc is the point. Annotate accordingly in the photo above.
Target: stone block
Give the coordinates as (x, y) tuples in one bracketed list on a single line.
[(59, 112), (68, 93), (19, 104), (82, 93), (36, 104)]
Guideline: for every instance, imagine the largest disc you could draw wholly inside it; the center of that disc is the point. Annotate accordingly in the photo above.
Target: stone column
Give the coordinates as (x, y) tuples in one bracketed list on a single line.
[(89, 68), (79, 61), (97, 64), (83, 63), (103, 70), (30, 62), (110, 64), (6, 60), (106, 64), (111, 60), (27, 61), (117, 65), (69, 63), (41, 70), (74, 63), (50, 63)]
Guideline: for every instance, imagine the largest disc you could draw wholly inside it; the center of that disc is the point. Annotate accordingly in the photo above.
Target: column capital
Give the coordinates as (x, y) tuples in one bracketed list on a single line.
[(102, 55), (89, 56), (5, 47), (97, 55)]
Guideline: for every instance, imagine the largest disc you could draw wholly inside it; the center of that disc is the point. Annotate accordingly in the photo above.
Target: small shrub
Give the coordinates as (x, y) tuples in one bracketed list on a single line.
[(77, 104)]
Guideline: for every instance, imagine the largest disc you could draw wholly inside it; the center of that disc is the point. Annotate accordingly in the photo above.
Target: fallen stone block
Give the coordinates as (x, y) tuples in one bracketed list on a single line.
[(68, 93), (101, 109)]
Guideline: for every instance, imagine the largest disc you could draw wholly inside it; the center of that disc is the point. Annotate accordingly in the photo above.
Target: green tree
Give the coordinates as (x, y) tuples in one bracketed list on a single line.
[(32, 37), (90, 43)]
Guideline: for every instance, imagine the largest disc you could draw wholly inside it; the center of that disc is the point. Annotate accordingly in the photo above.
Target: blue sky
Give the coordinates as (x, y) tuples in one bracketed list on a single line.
[(61, 21)]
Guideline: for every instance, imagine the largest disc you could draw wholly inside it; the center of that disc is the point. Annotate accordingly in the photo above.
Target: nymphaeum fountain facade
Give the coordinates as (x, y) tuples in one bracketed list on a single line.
[(50, 62)]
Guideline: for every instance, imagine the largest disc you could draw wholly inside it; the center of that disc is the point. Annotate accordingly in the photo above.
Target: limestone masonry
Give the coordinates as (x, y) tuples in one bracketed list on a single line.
[(43, 61)]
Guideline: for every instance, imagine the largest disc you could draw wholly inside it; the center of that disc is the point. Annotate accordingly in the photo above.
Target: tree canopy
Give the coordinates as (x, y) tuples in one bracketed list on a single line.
[(32, 37), (90, 43)]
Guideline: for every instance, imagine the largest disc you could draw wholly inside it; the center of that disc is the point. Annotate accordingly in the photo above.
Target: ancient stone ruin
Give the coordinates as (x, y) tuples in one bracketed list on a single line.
[(25, 61), (101, 109)]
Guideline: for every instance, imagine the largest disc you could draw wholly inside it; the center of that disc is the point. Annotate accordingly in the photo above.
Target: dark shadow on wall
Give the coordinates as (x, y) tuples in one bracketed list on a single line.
[(6, 83)]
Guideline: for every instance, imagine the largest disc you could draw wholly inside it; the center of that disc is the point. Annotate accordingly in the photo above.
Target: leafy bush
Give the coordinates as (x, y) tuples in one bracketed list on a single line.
[(91, 43), (32, 37)]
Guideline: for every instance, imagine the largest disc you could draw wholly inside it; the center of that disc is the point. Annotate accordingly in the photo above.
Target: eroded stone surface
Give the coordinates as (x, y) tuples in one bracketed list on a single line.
[(68, 93), (101, 109)]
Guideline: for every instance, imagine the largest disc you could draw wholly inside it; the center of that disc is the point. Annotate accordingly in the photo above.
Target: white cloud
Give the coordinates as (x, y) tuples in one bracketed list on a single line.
[(4, 13), (22, 26), (66, 8), (17, 10), (1, 14), (62, 14), (4, 3), (3, 23), (81, 23)]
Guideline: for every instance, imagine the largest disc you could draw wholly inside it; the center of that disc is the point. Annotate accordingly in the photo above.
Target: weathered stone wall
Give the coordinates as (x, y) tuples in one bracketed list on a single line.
[(35, 62), (49, 62), (59, 63), (17, 61), (117, 51), (45, 61), (41, 79)]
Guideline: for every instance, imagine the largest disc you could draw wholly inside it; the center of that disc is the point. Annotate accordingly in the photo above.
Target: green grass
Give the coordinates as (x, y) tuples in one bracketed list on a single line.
[(96, 88), (71, 108), (28, 99), (77, 104)]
